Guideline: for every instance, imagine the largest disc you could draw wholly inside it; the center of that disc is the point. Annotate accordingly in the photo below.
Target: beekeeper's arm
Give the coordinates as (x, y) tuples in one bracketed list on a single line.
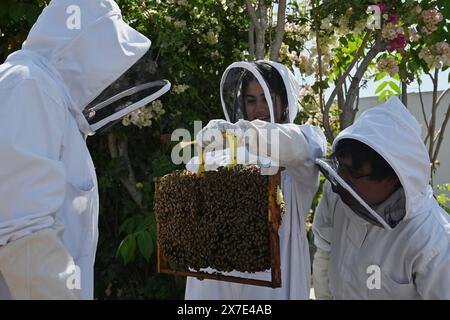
[(32, 178), (432, 277), (322, 229), (288, 145)]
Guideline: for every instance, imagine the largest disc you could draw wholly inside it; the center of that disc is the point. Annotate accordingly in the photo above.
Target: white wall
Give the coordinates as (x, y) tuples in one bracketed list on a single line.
[(443, 173)]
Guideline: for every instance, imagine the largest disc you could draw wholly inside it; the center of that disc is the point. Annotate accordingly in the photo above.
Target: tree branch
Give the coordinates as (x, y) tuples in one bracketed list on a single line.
[(325, 112), (443, 127), (423, 110), (251, 41), (405, 93), (119, 148), (270, 15), (442, 96), (433, 114), (343, 77), (252, 13), (259, 24), (349, 110), (261, 33), (281, 22), (348, 113)]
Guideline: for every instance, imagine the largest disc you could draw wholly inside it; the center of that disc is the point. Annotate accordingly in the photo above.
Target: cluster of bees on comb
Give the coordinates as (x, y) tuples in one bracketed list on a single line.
[(218, 219)]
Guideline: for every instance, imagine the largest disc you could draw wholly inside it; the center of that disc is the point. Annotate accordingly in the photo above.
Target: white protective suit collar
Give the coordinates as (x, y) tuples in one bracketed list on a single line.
[(290, 82), (87, 59), (395, 134)]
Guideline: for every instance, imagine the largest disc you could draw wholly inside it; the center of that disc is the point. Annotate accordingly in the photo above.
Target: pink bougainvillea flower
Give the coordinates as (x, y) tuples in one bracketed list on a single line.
[(383, 6), (393, 18), (398, 43)]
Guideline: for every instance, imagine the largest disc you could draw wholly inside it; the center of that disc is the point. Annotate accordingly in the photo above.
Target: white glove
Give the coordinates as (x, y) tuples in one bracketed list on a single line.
[(211, 134), (321, 264), (284, 144)]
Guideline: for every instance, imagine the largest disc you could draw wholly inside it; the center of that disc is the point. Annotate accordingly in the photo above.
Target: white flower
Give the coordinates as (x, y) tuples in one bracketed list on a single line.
[(179, 89), (215, 54), (431, 18), (211, 37), (143, 116), (326, 23), (126, 121), (388, 65), (244, 54), (360, 26), (180, 24), (413, 35), (436, 56), (417, 9), (390, 31), (308, 99)]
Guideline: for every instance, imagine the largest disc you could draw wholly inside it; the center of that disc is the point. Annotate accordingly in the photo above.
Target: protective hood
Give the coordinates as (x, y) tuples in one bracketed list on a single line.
[(395, 134), (86, 46), (233, 83)]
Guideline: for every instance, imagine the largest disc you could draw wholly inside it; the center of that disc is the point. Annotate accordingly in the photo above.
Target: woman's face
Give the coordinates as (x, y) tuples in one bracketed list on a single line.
[(256, 106)]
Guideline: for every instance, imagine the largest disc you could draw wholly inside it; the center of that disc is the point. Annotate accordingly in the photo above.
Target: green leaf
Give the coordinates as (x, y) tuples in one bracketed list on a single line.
[(394, 87), (443, 186), (344, 41), (442, 198), (145, 244), (127, 249), (444, 7), (385, 95), (128, 226), (382, 97), (380, 76), (381, 87)]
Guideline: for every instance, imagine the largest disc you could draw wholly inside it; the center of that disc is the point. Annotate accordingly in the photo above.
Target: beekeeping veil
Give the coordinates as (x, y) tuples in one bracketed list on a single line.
[(391, 131), (87, 48), (275, 80), (135, 89)]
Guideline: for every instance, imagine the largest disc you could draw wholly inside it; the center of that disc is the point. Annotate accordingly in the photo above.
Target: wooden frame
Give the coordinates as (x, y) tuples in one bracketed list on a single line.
[(274, 218)]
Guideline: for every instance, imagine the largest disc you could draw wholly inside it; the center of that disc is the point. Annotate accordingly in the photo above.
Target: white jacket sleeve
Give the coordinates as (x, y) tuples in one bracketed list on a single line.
[(32, 178), (323, 220), (322, 230), (433, 280), (289, 145), (321, 264)]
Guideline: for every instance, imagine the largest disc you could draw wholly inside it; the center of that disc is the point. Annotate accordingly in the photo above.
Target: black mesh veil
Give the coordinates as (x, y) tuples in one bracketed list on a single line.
[(136, 88), (236, 80), (350, 197)]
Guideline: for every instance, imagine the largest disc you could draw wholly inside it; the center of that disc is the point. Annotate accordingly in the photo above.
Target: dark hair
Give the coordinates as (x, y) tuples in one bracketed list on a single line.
[(360, 154), (274, 81)]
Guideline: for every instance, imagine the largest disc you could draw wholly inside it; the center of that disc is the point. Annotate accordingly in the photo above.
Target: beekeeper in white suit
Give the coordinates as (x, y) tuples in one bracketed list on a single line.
[(400, 248), (48, 186), (262, 96)]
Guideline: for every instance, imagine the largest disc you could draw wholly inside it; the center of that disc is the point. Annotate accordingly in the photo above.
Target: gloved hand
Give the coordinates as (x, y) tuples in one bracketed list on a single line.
[(212, 134)]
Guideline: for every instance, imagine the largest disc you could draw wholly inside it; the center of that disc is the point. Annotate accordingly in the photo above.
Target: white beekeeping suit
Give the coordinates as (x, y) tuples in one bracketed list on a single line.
[(75, 50), (298, 146), (411, 260)]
